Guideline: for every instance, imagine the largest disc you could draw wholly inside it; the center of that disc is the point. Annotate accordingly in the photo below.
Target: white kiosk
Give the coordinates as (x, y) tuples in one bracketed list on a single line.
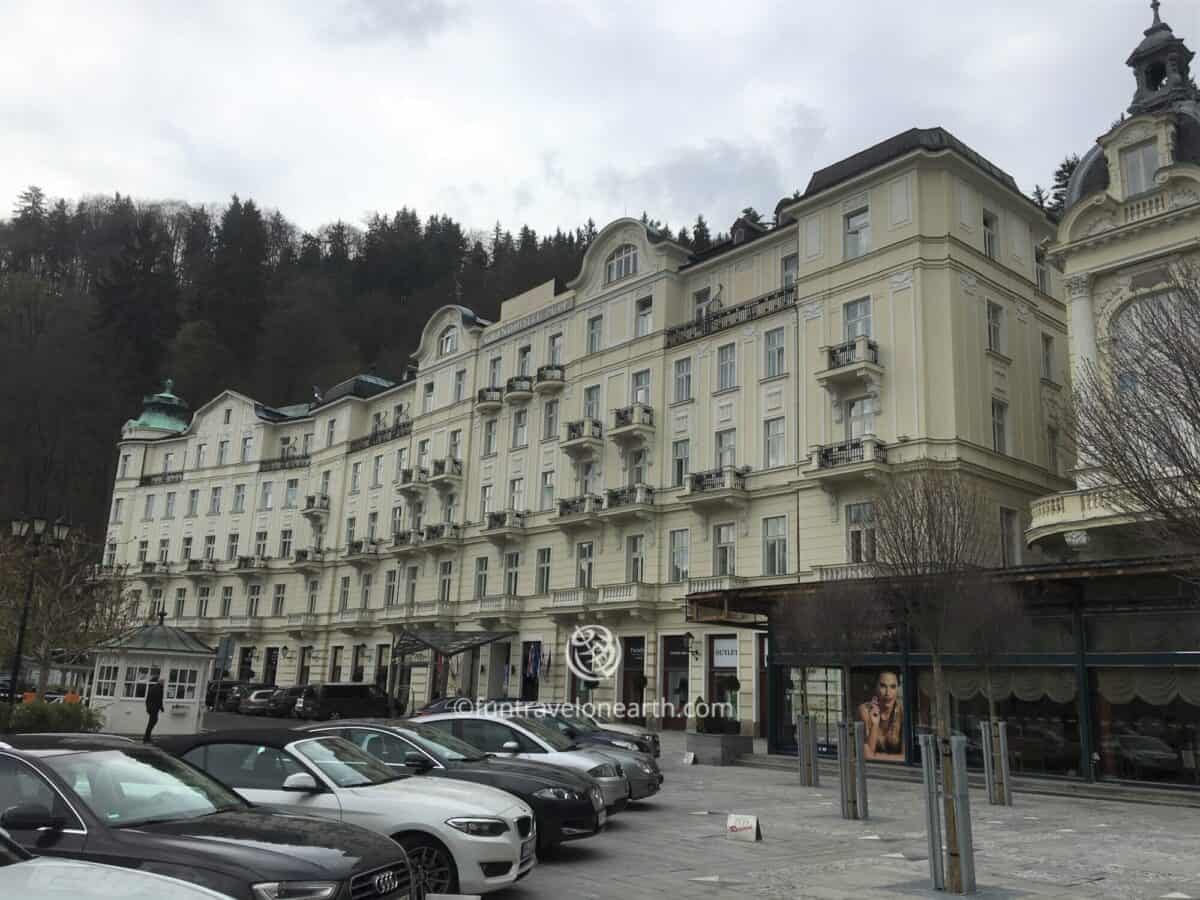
[(126, 667)]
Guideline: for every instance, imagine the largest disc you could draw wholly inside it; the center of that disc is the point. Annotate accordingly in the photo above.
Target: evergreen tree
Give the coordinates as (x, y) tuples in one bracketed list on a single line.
[(701, 239), (1062, 177)]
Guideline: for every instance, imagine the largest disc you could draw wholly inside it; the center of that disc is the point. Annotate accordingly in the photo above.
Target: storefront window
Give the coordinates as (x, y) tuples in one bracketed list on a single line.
[(817, 690), (723, 684), (1146, 722), (1142, 632), (1039, 705), (675, 680), (878, 700)]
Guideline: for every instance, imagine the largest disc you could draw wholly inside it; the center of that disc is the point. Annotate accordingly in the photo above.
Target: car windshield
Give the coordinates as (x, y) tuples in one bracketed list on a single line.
[(446, 747), (139, 785), (546, 733), (343, 763)]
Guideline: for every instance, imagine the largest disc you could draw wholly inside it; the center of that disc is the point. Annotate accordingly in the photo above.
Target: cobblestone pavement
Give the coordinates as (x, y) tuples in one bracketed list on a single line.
[(673, 845)]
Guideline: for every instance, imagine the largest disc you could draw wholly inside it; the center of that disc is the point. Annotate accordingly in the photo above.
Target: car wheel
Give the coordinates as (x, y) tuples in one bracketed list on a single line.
[(432, 864)]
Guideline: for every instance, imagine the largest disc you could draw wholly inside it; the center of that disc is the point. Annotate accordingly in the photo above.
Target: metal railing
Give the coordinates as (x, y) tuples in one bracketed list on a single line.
[(507, 518), (413, 476), (635, 414), (847, 354), (551, 374), (287, 461), (406, 538), (160, 478), (585, 428), (447, 466), (850, 452), (446, 531), (401, 429), (585, 503), (519, 384), (730, 317), (489, 395), (726, 478), (634, 495), (316, 503)]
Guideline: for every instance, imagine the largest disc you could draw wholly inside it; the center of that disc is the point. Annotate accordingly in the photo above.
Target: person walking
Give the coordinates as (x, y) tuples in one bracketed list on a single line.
[(154, 705)]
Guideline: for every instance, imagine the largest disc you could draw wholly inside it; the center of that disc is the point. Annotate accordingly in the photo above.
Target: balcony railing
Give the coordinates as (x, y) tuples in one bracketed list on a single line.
[(302, 620), (1144, 207), (287, 461), (726, 478), (489, 395), (847, 354), (500, 603), (850, 452), (201, 566), (637, 414), (406, 539), (447, 467), (413, 477), (573, 506), (401, 429), (585, 428), (634, 495), (712, 584), (847, 571), (445, 531), (551, 374), (730, 317), (519, 384), (316, 503), (153, 568), (507, 518), (160, 478), (578, 596)]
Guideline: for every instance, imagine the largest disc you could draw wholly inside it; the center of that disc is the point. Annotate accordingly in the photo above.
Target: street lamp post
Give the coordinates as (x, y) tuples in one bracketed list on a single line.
[(33, 533)]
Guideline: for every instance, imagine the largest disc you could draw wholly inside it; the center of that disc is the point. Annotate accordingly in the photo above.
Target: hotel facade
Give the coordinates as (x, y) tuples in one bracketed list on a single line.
[(669, 427)]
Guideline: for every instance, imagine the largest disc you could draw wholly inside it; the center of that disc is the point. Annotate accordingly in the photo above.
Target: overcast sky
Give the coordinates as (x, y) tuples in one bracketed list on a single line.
[(539, 112)]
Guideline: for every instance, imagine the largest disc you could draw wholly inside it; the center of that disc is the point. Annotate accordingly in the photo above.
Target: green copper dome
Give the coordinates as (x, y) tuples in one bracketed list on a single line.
[(163, 411)]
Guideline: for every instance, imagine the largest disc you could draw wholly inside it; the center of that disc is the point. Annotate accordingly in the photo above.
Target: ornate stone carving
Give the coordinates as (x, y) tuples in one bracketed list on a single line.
[(1076, 538), (1100, 225), (901, 280), (969, 283), (1182, 197), (1134, 135), (1077, 286)]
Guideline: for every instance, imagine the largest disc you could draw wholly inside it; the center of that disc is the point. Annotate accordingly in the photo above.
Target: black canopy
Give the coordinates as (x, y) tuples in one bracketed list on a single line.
[(442, 640)]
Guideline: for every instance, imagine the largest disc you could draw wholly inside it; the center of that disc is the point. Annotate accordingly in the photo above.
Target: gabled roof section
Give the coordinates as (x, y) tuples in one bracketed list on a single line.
[(434, 325), (361, 386), (159, 638), (600, 243)]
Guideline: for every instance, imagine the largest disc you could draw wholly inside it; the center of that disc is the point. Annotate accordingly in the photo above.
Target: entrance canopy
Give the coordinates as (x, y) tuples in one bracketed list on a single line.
[(442, 640)]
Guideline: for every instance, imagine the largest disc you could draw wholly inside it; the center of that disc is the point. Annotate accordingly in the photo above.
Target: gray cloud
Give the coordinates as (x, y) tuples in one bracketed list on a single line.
[(376, 20)]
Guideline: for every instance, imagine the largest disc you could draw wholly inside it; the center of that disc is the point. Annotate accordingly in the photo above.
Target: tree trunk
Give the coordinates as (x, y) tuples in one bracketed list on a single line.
[(992, 745), (942, 729), (43, 660)]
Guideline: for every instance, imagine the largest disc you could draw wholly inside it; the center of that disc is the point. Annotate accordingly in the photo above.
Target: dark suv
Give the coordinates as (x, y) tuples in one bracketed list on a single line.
[(344, 700)]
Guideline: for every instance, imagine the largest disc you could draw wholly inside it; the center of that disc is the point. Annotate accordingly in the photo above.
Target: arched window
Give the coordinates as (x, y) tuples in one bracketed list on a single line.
[(621, 263), (448, 342)]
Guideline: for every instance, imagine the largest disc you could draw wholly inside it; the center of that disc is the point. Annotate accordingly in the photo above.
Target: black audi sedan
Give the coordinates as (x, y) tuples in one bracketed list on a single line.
[(125, 804), (567, 805)]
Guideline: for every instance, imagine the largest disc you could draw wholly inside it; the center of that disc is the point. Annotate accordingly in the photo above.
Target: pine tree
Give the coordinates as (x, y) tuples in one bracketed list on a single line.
[(701, 239), (1062, 177)]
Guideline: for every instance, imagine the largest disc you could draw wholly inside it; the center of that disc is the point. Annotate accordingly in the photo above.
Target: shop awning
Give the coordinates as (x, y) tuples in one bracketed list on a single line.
[(442, 640)]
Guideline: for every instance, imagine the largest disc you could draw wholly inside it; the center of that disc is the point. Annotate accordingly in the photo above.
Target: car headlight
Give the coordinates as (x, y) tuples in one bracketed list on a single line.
[(295, 890), (626, 745), (557, 793), (645, 767), (479, 827), (605, 770)]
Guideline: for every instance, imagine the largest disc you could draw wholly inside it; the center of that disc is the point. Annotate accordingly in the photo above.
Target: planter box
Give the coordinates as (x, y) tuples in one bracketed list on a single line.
[(718, 749)]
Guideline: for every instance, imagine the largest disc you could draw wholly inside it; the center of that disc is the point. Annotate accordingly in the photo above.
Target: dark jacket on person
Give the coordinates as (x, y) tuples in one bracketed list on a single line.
[(154, 698)]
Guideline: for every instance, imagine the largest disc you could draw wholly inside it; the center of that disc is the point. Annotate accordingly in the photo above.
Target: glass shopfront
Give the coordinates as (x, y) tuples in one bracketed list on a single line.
[(817, 689), (1145, 722), (675, 660), (723, 684)]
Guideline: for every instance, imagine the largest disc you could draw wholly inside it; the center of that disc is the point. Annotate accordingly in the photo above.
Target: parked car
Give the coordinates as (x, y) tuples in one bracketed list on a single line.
[(446, 704), (282, 703), (522, 738), (567, 805), (27, 877), (342, 700), (256, 703), (573, 714), (587, 733), (460, 837), (132, 805), (217, 692), (233, 700)]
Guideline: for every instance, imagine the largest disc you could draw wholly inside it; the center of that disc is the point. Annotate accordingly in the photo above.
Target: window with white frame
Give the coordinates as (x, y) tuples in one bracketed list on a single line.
[(550, 420), (222, 452), (110, 554), (416, 514), (683, 379), (789, 269), (554, 349), (226, 601), (1010, 537), (291, 490), (542, 570), (169, 506), (856, 319), (700, 301), (193, 508), (239, 498), (774, 443), (253, 596), (775, 545), (138, 680), (524, 359), (512, 572), (583, 564), (201, 453), (547, 491), (726, 448), (260, 544), (860, 533), (859, 417), (118, 505), (331, 432), (427, 397), (156, 602), (203, 594), (448, 341), (595, 328), (494, 365), (344, 593), (726, 367), (181, 684), (355, 477), (635, 558), (279, 600), (390, 580), (143, 550), (1041, 273), (591, 402), (185, 548), (680, 461), (489, 437), (485, 500), (621, 263), (999, 426), (481, 576), (520, 428), (1138, 165), (516, 494), (376, 471), (231, 547), (991, 234), (124, 471), (857, 232), (680, 553), (106, 681), (210, 547), (460, 386), (454, 444), (351, 524), (445, 580), (995, 327), (180, 602), (265, 500), (148, 508), (1048, 357), (643, 317), (411, 576), (589, 478), (372, 524), (641, 387), (773, 348), (314, 590), (639, 461), (724, 549)]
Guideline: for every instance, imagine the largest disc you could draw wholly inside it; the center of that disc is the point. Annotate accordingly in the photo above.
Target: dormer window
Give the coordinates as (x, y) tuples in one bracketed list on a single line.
[(621, 263), (1138, 165), (448, 342), (739, 235)]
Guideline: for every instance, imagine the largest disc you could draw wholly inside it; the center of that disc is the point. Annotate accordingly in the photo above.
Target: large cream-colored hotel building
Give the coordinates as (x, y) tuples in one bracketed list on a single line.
[(669, 425)]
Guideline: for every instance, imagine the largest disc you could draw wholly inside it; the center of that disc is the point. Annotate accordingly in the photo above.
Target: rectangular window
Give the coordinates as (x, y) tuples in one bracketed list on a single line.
[(489, 437), (110, 554), (512, 572), (683, 379), (335, 664), (390, 582), (481, 573), (724, 549), (1048, 357), (641, 388), (485, 501), (789, 269), (210, 547), (344, 593), (542, 570), (1010, 537), (231, 547), (995, 327), (180, 602), (775, 545), (450, 508), (726, 367), (265, 501), (201, 453), (106, 681), (726, 452), (591, 402), (680, 541), (1052, 448), (291, 490), (285, 543), (214, 501), (554, 350), (143, 551), (857, 238), (546, 500), (445, 576), (550, 420), (202, 597), (1041, 273), (700, 301), (253, 595), (164, 550), (148, 509), (524, 356), (859, 417), (185, 549), (520, 428), (999, 426), (638, 461), (247, 447), (460, 385), (1138, 165), (239, 498), (417, 510), (260, 544), (410, 584), (516, 494), (423, 454), (644, 323), (355, 475), (860, 533), (377, 471), (330, 432), (454, 444), (222, 452), (635, 558), (168, 462), (124, 471), (773, 443), (680, 461), (364, 590), (583, 564), (169, 510), (138, 680), (494, 371), (118, 504), (351, 525), (991, 237), (226, 601), (427, 398), (595, 326), (308, 442), (773, 346), (193, 508), (856, 316), (279, 600)]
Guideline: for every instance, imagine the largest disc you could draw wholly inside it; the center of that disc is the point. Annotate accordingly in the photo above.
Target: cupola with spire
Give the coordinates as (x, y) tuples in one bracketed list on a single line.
[(1160, 64), (162, 413)]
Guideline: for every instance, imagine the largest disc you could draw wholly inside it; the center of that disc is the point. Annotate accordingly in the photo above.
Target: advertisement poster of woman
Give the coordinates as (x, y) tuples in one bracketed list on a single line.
[(883, 716)]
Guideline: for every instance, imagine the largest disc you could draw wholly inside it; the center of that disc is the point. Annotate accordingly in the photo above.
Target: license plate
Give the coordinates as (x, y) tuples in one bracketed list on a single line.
[(527, 848), (601, 817)]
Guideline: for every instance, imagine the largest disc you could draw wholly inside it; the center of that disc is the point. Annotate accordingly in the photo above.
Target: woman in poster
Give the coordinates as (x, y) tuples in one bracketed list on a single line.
[(883, 716)]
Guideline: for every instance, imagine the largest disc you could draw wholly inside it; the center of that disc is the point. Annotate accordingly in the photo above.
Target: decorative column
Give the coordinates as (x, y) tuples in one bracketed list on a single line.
[(1083, 325)]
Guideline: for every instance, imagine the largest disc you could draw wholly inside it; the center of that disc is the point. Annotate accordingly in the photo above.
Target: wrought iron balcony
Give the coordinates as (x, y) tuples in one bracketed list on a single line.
[(405, 541), (852, 352), (489, 399), (519, 389), (725, 486), (446, 474), (287, 461), (441, 534), (316, 506), (201, 568), (852, 364), (308, 560), (634, 501), (583, 505), (400, 429), (550, 379), (632, 424), (160, 478), (584, 438), (730, 317), (413, 481), (848, 453)]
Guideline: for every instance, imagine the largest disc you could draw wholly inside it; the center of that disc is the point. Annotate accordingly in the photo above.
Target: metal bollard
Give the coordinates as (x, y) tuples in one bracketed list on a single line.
[(989, 776), (1005, 782), (933, 812), (962, 812), (860, 736), (846, 772), (806, 749)]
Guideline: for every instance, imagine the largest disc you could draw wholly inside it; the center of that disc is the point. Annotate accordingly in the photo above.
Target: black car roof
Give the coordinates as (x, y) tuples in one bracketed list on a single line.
[(79, 742), (268, 737)]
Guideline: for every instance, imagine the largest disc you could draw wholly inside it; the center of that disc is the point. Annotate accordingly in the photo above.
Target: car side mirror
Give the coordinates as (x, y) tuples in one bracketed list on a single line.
[(30, 817), (510, 747), (418, 761), (301, 783)]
